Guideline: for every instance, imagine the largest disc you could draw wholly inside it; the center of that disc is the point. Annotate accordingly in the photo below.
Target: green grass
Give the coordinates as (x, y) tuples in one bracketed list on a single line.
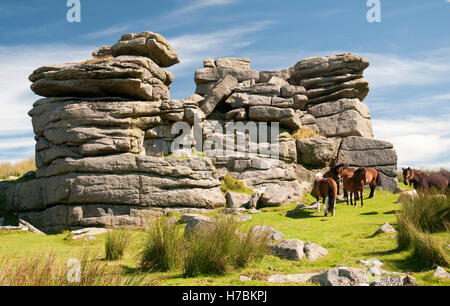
[(115, 244), (347, 236), (418, 219)]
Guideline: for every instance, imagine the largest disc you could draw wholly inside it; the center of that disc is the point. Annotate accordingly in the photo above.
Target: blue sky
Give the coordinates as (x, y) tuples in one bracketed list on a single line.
[(409, 51)]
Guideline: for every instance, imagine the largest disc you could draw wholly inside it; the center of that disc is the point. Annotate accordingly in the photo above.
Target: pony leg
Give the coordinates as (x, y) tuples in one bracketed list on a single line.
[(318, 204), (338, 187), (372, 192), (325, 205), (362, 204), (334, 207)]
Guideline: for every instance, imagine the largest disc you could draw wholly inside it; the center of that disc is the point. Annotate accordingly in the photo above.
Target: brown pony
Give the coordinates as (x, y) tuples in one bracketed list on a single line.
[(423, 181), (407, 174), (373, 178), (334, 174), (354, 184), (325, 188)]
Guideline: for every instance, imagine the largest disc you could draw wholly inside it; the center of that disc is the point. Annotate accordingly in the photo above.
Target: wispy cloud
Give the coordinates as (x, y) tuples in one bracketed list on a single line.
[(16, 64), (169, 20), (201, 4), (419, 141), (387, 70)]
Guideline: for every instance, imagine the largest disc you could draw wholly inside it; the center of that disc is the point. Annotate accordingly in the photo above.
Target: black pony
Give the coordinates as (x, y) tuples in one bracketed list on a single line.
[(333, 173)]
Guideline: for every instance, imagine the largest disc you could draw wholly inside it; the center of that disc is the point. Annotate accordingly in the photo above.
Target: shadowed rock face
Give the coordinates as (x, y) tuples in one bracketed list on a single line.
[(105, 128)]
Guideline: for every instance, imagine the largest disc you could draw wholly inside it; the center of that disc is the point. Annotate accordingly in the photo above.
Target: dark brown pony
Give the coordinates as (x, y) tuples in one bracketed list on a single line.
[(326, 189), (334, 174), (373, 178), (407, 174), (423, 181), (354, 184)]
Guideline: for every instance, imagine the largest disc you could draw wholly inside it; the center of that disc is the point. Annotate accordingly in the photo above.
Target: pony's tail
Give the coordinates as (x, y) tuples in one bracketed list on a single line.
[(378, 181), (331, 198)]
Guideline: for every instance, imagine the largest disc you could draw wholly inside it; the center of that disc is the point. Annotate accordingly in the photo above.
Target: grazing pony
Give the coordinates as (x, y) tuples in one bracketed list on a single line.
[(334, 174), (422, 181), (354, 184), (325, 188), (373, 178)]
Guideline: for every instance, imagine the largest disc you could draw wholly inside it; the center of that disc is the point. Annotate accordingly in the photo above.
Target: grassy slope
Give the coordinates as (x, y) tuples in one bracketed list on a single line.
[(347, 236)]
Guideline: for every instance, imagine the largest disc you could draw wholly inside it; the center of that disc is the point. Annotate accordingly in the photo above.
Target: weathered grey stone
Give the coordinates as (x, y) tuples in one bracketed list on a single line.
[(266, 229), (291, 278), (238, 100), (441, 273), (291, 249), (204, 88), (148, 44), (265, 76), (366, 152), (345, 124), (286, 116), (221, 91), (236, 200), (278, 81), (199, 223), (208, 75), (385, 228), (209, 63), (188, 217), (395, 280), (238, 114), (318, 151), (88, 231), (260, 89), (358, 88), (232, 62), (319, 66), (314, 251), (342, 277)]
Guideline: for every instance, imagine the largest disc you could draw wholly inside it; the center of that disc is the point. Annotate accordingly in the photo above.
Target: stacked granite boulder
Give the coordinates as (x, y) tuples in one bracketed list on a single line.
[(106, 130), (95, 142)]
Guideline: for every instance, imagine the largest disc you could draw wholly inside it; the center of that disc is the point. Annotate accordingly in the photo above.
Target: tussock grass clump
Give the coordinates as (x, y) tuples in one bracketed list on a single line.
[(417, 220), (234, 185), (115, 244), (428, 212), (206, 250), (220, 250), (18, 169), (46, 270), (163, 250), (305, 132)]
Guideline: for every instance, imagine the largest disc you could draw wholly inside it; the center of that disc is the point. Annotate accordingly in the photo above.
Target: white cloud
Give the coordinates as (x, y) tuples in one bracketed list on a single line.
[(193, 48), (16, 64), (419, 141), (200, 4), (393, 70), (169, 20)]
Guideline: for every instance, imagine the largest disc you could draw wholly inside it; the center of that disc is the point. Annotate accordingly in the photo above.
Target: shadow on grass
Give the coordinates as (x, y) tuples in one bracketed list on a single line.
[(370, 213), (302, 214), (407, 264), (391, 212)]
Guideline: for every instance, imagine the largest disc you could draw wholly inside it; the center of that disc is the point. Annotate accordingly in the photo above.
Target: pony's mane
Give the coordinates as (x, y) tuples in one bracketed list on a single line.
[(340, 165)]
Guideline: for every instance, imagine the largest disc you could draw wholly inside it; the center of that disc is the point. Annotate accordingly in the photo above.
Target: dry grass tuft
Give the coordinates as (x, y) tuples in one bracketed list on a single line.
[(305, 132), (17, 170)]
